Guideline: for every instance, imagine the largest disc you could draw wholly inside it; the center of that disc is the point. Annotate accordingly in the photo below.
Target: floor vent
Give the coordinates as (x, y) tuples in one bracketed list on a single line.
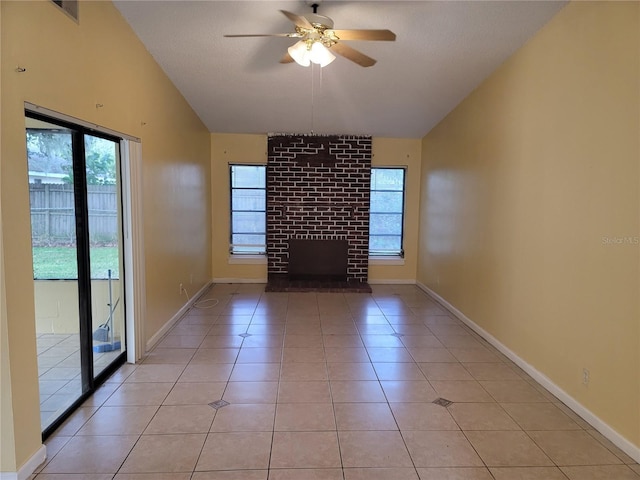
[(219, 404), (443, 402)]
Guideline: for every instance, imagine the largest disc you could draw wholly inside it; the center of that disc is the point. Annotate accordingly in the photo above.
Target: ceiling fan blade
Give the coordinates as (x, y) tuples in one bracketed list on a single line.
[(352, 54), (263, 35), (286, 58), (380, 35), (297, 20)]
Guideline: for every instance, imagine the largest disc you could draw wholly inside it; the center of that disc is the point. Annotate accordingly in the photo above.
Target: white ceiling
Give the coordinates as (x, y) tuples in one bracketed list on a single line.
[(444, 49)]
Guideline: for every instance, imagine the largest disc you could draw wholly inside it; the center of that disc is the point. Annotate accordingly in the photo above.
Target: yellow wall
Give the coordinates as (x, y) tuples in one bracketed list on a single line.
[(238, 148), (228, 149), (71, 67), (56, 306), (524, 187), (391, 152)]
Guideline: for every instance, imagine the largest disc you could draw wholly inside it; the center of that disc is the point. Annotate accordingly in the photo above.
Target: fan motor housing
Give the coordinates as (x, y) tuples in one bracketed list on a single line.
[(321, 20)]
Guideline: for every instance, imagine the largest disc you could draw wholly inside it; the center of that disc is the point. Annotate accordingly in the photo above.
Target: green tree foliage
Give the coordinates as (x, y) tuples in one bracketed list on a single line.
[(49, 151), (49, 143), (101, 168)]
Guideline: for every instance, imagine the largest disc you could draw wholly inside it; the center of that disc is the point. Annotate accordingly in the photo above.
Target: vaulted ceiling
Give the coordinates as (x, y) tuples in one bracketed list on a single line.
[(443, 51)]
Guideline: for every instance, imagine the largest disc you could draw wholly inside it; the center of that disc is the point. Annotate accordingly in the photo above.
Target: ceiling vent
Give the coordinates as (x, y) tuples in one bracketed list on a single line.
[(70, 7)]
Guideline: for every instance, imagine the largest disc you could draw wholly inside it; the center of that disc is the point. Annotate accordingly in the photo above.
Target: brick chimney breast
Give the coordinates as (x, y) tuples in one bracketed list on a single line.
[(318, 188)]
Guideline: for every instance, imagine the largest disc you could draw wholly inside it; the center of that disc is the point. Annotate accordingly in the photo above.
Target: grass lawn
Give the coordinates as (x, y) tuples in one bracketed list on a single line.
[(60, 263)]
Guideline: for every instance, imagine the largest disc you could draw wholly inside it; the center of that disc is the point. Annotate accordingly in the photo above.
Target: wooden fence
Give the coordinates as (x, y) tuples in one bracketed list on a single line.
[(53, 218)]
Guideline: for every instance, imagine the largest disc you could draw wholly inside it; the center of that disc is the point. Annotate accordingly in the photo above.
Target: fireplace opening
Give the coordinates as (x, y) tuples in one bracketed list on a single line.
[(324, 260)]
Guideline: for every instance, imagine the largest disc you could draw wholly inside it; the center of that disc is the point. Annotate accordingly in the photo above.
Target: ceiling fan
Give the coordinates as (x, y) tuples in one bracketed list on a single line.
[(319, 40)]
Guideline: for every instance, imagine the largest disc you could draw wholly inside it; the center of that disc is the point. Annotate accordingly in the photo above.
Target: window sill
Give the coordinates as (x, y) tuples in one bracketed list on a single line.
[(247, 259), (390, 260)]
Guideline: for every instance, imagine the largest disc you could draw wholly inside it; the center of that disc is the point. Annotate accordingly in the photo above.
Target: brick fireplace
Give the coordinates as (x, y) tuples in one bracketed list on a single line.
[(318, 191)]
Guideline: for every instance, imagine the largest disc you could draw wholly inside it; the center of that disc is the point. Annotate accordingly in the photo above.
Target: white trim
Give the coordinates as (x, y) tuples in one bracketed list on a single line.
[(386, 260), (618, 440), (83, 123), (247, 260), (173, 320), (29, 467), (239, 280), (135, 279), (394, 281)]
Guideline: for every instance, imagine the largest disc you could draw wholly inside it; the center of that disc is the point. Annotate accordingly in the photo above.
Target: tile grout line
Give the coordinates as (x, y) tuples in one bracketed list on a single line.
[(333, 403), (275, 409), (164, 399), (404, 442)]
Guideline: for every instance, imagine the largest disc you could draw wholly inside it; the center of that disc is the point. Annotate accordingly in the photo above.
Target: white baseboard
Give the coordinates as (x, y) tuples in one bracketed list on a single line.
[(592, 419), (393, 281), (173, 320), (240, 280), (28, 468)]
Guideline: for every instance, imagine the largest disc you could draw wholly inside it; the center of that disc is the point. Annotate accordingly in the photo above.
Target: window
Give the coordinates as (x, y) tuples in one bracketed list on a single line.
[(248, 210), (386, 211)]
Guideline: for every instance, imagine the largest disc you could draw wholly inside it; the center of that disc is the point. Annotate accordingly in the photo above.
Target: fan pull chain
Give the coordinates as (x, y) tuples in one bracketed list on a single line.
[(313, 96), (315, 68)]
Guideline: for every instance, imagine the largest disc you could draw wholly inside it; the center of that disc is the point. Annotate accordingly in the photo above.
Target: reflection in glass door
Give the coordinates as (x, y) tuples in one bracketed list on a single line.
[(74, 183)]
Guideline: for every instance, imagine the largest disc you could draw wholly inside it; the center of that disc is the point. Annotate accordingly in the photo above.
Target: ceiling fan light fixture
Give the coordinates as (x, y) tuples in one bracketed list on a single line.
[(321, 54), (300, 53), (317, 37)]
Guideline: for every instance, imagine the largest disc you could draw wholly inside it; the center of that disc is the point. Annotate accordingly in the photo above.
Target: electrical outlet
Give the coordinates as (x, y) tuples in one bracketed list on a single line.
[(585, 376), (180, 292)]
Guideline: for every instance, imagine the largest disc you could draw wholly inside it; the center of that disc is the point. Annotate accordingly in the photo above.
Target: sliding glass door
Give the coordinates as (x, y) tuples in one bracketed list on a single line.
[(76, 225), (105, 252)]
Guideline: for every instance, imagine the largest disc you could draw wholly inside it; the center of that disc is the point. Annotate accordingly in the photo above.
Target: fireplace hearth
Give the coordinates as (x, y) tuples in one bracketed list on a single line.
[(282, 283)]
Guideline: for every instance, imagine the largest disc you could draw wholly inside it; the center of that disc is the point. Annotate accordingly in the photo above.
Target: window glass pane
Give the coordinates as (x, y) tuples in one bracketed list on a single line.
[(248, 222), (55, 257), (385, 224), (251, 244), (248, 176), (390, 244), (386, 202), (387, 179), (249, 199), (248, 239), (105, 234)]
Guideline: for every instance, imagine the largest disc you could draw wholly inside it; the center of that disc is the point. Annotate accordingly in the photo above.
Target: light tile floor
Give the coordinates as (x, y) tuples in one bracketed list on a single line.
[(326, 386)]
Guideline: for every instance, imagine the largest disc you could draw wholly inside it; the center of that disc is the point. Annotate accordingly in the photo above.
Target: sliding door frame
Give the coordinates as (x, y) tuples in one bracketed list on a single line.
[(131, 245)]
